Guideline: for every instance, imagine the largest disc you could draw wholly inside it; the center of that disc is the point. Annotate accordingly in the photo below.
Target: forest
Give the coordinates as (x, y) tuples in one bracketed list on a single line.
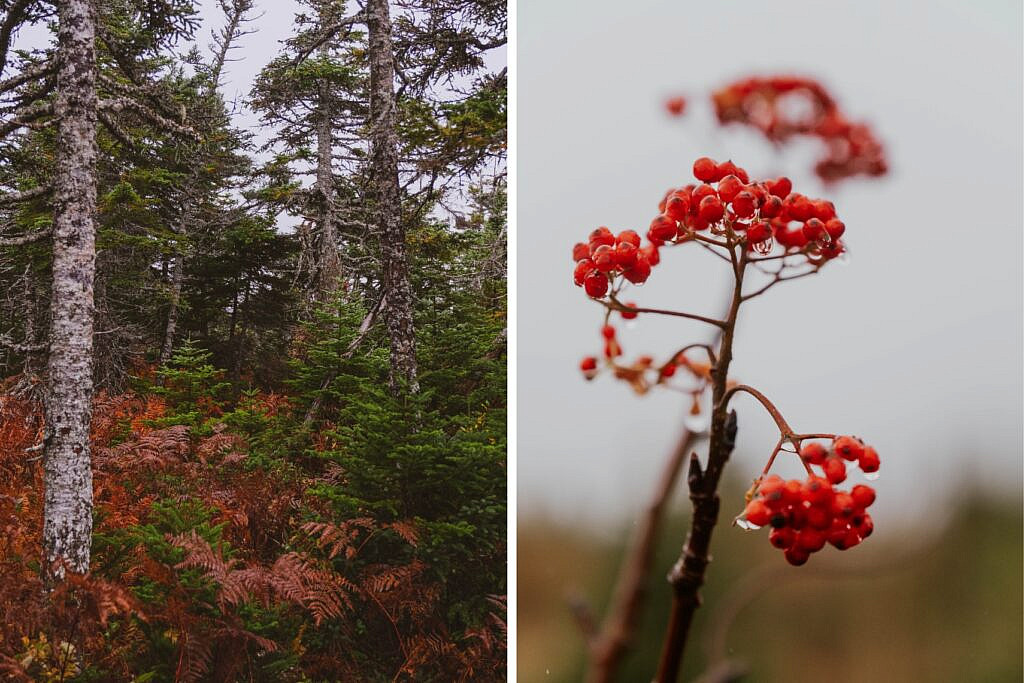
[(252, 378)]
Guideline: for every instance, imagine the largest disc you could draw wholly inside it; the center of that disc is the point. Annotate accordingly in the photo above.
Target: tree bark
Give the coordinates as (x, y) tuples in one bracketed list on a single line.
[(391, 231), (67, 511), (328, 265), (177, 281)]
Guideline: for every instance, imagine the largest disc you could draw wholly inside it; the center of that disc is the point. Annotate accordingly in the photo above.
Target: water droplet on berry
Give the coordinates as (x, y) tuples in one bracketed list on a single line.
[(698, 424), (871, 476), (746, 525)]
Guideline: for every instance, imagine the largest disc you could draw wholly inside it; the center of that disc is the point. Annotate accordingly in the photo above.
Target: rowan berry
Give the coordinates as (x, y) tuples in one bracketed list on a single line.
[(580, 251), (729, 187), (782, 538), (663, 228), (583, 268), (817, 490), (843, 505), (608, 332), (596, 284), (677, 206), (601, 236), (868, 460), (813, 453), (771, 207), (630, 237), (811, 540), (863, 496), (780, 187), (818, 517), (711, 209), (639, 271), (798, 207), (728, 168), (744, 204), (758, 513), (835, 470), (814, 230), (629, 315), (792, 491), (676, 105), (700, 192), (604, 258), (796, 556), (650, 252), (848, 447), (759, 231), (705, 169), (835, 228), (626, 254), (824, 210)]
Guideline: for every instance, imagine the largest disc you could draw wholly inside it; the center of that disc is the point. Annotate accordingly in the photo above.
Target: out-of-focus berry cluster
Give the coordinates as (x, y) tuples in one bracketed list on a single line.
[(807, 515), (785, 106), (643, 373)]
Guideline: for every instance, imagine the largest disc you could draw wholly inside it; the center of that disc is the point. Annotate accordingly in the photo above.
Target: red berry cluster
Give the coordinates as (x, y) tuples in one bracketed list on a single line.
[(772, 105), (727, 201), (805, 515), (833, 460), (606, 256), (767, 212)]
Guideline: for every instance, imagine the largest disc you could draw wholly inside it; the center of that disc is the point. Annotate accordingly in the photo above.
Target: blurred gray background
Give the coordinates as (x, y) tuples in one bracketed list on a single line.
[(915, 345)]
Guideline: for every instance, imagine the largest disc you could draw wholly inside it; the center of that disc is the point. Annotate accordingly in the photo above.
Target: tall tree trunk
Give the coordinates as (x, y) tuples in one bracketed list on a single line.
[(177, 280), (235, 17), (391, 231), (67, 511), (328, 265)]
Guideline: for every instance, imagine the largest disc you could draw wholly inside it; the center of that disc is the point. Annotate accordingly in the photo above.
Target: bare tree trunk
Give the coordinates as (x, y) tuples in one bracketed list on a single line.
[(235, 13), (384, 160), (328, 265), (67, 511), (177, 280)]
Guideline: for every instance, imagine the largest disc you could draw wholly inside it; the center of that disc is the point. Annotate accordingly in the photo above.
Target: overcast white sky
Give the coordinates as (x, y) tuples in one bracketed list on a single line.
[(915, 345)]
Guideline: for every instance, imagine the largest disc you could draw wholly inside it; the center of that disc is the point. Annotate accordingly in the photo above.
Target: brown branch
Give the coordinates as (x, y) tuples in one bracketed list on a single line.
[(687, 576), (24, 117), (21, 240), (30, 73), (608, 646), (24, 195), (777, 279), (616, 305), (16, 14)]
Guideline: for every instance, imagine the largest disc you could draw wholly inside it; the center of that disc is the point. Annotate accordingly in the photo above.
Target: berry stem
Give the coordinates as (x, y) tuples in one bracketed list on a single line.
[(687, 575), (784, 428), (617, 305)]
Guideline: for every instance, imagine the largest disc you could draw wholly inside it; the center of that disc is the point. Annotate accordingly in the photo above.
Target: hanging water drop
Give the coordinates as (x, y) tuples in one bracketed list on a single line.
[(746, 524), (698, 424), (871, 476)]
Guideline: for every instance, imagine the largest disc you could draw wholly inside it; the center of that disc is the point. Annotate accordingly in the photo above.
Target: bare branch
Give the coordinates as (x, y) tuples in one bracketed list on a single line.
[(25, 195), (25, 239)]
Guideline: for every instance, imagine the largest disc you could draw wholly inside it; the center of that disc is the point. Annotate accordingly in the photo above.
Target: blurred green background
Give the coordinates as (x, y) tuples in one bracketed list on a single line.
[(935, 604)]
